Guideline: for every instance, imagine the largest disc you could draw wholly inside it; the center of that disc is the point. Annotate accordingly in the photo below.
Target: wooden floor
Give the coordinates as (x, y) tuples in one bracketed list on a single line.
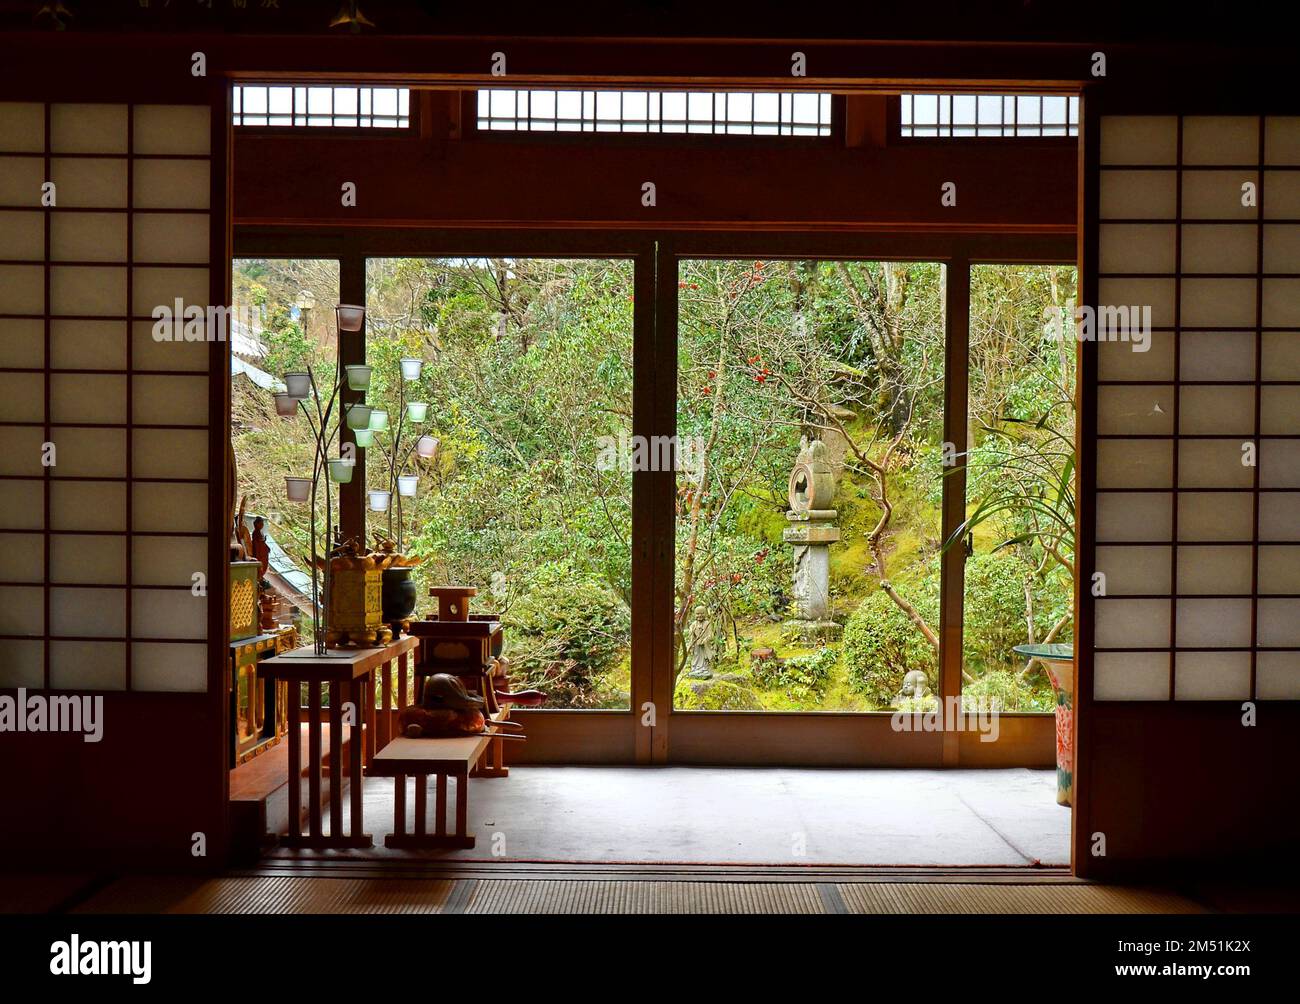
[(289, 894)]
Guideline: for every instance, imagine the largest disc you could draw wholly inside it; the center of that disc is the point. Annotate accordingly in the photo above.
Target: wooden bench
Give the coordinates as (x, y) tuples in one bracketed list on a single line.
[(419, 758)]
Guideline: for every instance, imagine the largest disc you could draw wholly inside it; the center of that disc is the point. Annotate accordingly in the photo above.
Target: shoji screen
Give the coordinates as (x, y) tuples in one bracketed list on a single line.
[(103, 427), (1198, 450)]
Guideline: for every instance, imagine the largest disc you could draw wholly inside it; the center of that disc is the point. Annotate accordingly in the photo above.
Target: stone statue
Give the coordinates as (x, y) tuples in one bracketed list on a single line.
[(700, 646), (811, 532), (916, 685)]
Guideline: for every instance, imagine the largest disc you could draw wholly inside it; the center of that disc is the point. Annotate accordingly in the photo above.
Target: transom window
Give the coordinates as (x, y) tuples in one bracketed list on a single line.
[(956, 115), (734, 113), (338, 106)]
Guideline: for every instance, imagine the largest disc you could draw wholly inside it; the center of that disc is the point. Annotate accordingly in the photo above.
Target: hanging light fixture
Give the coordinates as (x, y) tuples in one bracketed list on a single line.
[(358, 377), (406, 484), (297, 385), (297, 489), (411, 368), (378, 420), (350, 317), (427, 446), (417, 411), (358, 416), (286, 405), (379, 500), (364, 437), (341, 470)]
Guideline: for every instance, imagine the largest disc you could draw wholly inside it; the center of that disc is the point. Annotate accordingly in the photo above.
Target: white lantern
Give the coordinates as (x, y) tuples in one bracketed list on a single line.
[(364, 437), (416, 411), (358, 377), (406, 484), (378, 420), (286, 405), (350, 317), (298, 385), (341, 470), (411, 368), (379, 501), (358, 416), (427, 446), (298, 489)]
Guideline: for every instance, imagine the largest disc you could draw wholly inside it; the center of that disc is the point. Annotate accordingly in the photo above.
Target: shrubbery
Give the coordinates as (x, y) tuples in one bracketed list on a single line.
[(800, 676), (566, 629), (881, 645)]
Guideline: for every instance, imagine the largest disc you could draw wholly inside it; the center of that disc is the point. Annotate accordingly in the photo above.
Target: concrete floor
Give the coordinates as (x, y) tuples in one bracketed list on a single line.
[(697, 815)]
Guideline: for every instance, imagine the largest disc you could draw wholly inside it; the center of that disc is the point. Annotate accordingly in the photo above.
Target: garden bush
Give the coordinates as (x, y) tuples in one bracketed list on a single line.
[(881, 645), (801, 676)]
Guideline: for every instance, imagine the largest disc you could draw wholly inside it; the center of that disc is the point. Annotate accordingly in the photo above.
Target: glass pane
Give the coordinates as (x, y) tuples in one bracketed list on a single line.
[(1020, 495), (527, 370), (809, 419)]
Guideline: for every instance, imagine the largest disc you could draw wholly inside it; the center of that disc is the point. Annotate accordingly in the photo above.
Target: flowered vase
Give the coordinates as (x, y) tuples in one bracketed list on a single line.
[(1061, 675)]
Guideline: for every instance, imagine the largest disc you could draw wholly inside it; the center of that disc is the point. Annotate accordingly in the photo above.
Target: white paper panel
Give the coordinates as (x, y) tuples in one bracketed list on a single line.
[(1278, 623), (1279, 463), (22, 236), (1139, 195), (1217, 355), (87, 558), (1279, 516), (171, 237), (1135, 570), (1130, 676), (1282, 247), (76, 128), (1158, 294), (20, 181), (1139, 139), (1281, 355), (1139, 463), (89, 182), (1137, 248), (1121, 360), (1225, 248), (1282, 139), (1210, 410), (22, 663), (87, 451), (88, 237), (1212, 302), (22, 127), (88, 665), (168, 561), (1216, 516), (170, 453), (1213, 463), (1282, 195), (88, 345), (1132, 623), (1279, 570), (1215, 570), (22, 397), (22, 505), (169, 666), (1135, 410), (1280, 411), (1211, 676), (1123, 516), (22, 610), (20, 450), (156, 287), (1277, 676), (81, 397), (169, 508), (1213, 623), (1217, 195), (1221, 139), (170, 400), (22, 557), (172, 184), (1281, 303), (22, 289), (98, 612), (168, 613), (172, 129), (22, 342), (88, 505), (89, 291), (148, 353)]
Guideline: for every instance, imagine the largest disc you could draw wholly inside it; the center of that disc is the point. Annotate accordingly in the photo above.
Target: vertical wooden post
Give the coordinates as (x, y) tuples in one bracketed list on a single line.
[(644, 498), (399, 804), (664, 483), (952, 569), (336, 758), (440, 806), (422, 802), (293, 714), (354, 767), (313, 759)]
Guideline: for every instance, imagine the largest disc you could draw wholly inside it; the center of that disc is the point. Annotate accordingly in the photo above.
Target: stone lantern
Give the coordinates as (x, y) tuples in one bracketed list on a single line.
[(812, 530)]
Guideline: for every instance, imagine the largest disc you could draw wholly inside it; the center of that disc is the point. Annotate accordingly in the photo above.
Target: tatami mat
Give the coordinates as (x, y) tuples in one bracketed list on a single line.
[(288, 894)]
